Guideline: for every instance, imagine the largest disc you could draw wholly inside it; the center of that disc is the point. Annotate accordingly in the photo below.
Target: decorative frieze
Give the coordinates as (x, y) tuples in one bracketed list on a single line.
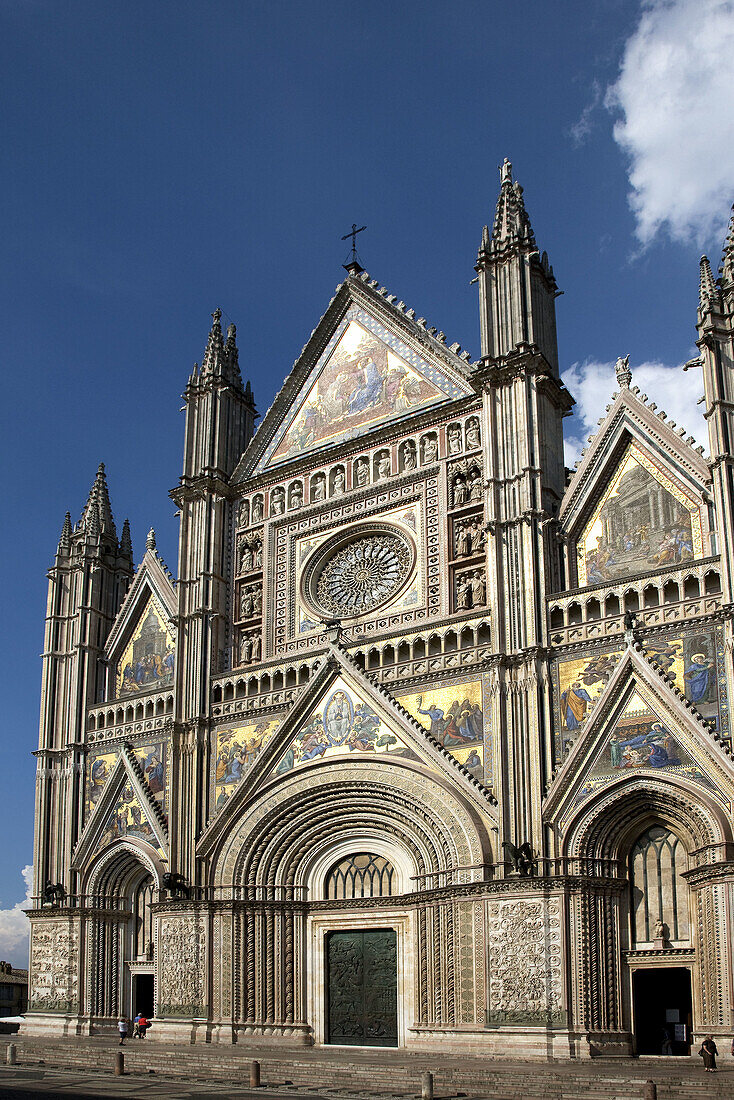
[(525, 962)]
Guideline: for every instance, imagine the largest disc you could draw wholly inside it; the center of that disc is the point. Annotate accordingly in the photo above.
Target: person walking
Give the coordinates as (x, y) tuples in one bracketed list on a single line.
[(122, 1029), (136, 1028), (142, 1025), (708, 1052)]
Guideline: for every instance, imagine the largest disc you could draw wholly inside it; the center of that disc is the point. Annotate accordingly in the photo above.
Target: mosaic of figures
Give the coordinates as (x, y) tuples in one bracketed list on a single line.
[(693, 659), (149, 658), (644, 521), (454, 716), (642, 742), (345, 726), (153, 760), (128, 818), (366, 376), (235, 751)]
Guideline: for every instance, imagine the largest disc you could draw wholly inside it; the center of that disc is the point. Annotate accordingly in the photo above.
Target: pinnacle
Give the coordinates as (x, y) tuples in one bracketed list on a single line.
[(708, 291), (150, 540), (727, 259), (126, 544), (221, 359), (511, 224), (212, 362), (66, 533), (97, 514)]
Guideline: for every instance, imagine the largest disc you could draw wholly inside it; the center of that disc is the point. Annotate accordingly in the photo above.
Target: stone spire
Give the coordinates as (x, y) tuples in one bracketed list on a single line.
[(708, 292), (727, 260), (511, 221), (98, 510), (213, 361), (126, 543), (517, 288), (231, 361), (66, 533), (623, 372)]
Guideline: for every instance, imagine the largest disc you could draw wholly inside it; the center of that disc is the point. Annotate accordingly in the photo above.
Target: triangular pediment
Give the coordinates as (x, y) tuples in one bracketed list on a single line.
[(636, 502), (125, 808), (340, 715), (641, 726), (140, 649), (367, 363)]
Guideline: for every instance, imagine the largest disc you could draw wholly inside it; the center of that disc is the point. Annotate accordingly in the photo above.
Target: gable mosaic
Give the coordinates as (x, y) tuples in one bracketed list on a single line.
[(693, 658), (153, 759), (642, 743), (148, 661), (643, 521), (365, 376), (235, 752), (345, 725)]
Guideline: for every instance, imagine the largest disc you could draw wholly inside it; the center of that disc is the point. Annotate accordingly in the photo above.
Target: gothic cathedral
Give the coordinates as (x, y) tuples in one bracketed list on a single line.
[(428, 744)]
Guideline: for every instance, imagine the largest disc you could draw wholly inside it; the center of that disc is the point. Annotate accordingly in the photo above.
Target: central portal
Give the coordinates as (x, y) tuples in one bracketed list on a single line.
[(362, 988)]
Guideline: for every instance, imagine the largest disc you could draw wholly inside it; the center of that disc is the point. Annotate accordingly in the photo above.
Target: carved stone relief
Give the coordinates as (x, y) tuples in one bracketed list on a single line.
[(182, 961), (525, 962), (54, 983)]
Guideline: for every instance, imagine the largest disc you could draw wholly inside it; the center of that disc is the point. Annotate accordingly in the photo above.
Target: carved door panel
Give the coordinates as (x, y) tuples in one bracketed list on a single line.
[(362, 995)]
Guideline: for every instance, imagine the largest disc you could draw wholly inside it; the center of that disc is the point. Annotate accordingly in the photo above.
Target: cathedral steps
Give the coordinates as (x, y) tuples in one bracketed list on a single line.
[(357, 1073)]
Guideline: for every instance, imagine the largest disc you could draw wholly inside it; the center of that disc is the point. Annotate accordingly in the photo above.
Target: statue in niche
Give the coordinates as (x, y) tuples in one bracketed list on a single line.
[(296, 496), (473, 437), (245, 556), (257, 509), (478, 589), (458, 494), (243, 517), (339, 481), (362, 471), (407, 453), (463, 540), (318, 488), (258, 554), (245, 649), (454, 437), (478, 536), (430, 449), (256, 647), (383, 465), (463, 594), (277, 502), (258, 602), (475, 486), (247, 604)]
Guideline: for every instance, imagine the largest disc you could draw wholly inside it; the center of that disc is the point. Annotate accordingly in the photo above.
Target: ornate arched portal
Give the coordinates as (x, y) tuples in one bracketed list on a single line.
[(662, 914), (350, 851), (122, 884)]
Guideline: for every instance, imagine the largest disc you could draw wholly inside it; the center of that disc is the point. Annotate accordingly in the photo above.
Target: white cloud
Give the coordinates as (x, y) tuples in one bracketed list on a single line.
[(14, 926), (675, 100), (672, 389)]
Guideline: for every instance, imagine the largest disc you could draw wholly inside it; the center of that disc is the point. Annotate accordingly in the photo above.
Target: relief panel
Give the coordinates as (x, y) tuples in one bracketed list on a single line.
[(525, 962), (182, 945), (54, 976)]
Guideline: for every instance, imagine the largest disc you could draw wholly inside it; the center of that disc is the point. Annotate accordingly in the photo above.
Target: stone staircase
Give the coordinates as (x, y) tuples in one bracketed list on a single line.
[(350, 1073)]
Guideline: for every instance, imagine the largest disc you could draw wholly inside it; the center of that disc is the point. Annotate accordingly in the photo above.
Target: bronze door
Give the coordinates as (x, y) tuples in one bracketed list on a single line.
[(362, 988)]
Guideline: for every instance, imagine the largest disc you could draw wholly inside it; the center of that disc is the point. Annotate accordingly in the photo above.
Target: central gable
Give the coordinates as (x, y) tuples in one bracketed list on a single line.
[(366, 375)]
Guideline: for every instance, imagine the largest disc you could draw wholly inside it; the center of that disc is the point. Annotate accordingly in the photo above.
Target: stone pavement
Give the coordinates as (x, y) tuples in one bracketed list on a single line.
[(83, 1067)]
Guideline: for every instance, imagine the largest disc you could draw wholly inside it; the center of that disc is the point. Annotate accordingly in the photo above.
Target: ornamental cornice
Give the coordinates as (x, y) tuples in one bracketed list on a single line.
[(710, 874)]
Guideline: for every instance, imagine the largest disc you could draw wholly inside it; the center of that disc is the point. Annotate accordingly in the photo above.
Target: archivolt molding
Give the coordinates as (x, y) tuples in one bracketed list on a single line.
[(607, 826), (276, 841), (128, 855)]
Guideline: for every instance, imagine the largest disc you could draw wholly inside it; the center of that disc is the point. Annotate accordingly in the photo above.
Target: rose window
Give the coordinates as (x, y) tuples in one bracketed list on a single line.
[(349, 578)]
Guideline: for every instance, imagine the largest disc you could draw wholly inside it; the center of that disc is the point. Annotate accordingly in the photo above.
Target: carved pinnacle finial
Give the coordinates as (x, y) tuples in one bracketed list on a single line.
[(623, 372), (506, 171), (66, 532), (217, 315), (150, 541), (727, 259), (707, 289)]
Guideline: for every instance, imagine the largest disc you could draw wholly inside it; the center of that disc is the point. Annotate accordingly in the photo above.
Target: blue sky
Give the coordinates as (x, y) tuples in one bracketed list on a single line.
[(162, 159)]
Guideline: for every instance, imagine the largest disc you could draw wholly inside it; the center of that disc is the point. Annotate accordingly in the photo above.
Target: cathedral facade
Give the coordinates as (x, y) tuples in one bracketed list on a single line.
[(428, 745)]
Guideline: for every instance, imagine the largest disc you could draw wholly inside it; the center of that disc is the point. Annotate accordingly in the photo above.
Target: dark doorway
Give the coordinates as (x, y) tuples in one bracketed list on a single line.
[(662, 1001), (362, 988), (143, 994)]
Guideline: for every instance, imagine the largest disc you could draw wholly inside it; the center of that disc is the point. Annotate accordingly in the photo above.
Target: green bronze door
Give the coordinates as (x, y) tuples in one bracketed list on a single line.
[(362, 988)]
